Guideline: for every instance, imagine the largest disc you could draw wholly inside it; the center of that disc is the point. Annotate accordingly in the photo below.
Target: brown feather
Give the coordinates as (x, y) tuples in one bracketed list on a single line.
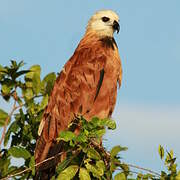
[(81, 89)]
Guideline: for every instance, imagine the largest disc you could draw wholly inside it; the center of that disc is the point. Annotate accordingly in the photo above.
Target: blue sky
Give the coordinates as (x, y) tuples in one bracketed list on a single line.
[(148, 106)]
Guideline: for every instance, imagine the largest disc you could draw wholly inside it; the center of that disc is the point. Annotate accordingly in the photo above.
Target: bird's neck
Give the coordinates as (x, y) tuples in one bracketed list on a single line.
[(92, 39), (109, 42)]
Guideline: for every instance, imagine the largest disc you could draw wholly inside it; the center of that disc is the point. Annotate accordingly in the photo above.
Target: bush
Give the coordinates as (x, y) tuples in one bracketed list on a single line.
[(86, 158)]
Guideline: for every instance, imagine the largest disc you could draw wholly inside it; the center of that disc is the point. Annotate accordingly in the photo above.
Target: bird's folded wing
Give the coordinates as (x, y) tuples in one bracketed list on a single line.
[(74, 92)]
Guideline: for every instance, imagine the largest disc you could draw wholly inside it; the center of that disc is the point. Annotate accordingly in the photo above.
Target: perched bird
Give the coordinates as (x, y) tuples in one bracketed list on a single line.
[(86, 86)]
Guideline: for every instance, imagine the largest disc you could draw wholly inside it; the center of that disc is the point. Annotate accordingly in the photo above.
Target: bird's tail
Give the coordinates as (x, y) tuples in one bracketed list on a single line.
[(47, 156), (41, 150)]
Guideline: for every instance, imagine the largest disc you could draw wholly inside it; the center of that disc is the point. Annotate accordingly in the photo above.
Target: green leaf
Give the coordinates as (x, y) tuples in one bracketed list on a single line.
[(28, 93), (13, 128), (32, 165), (68, 173), (66, 136), (171, 154), (95, 171), (34, 69), (14, 64), (44, 102), (172, 168), (36, 83), (50, 77), (161, 151), (83, 174), (120, 176), (21, 73), (100, 164), (139, 176), (104, 122), (20, 64), (93, 154), (32, 80), (2, 69), (115, 150), (178, 176), (4, 165), (96, 121), (113, 165), (110, 124), (81, 138), (101, 167), (48, 82), (163, 174), (19, 152), (100, 132), (7, 87), (125, 168), (147, 176), (170, 159), (12, 169), (53, 178), (63, 165), (29, 84), (3, 117)]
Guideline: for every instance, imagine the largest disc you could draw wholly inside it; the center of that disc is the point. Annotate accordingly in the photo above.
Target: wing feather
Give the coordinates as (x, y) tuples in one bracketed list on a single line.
[(86, 86), (74, 93), (99, 83)]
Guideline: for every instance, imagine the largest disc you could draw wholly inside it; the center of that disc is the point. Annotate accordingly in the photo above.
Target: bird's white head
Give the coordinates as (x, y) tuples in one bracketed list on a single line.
[(104, 23)]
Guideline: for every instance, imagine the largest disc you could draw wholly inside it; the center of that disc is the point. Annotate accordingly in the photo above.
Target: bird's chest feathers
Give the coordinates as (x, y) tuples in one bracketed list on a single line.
[(112, 65), (111, 70), (112, 56)]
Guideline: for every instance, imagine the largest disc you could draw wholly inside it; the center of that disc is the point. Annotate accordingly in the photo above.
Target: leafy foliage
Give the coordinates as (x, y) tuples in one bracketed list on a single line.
[(93, 159), (3, 117), (30, 95), (170, 164), (86, 158)]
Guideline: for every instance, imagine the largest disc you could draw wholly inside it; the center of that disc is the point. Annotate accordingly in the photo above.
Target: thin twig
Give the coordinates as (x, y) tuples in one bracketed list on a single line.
[(144, 169), (36, 165), (134, 172), (101, 148), (94, 143), (6, 122), (14, 108)]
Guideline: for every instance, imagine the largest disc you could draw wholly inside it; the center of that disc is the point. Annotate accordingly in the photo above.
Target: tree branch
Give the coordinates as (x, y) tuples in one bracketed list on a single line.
[(14, 108), (6, 123), (29, 169), (101, 148), (37, 165), (144, 169)]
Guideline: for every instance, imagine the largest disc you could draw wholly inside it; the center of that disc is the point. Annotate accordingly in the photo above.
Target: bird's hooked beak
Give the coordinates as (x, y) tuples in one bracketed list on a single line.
[(116, 26)]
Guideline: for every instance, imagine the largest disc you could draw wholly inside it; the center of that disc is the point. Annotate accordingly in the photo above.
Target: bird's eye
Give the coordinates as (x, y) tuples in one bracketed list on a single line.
[(105, 19)]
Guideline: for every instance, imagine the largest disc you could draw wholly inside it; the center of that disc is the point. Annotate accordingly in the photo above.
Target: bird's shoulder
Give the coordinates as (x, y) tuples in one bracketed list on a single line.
[(91, 55)]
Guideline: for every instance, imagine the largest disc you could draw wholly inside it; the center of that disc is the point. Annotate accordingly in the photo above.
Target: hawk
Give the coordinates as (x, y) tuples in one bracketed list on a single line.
[(86, 86)]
